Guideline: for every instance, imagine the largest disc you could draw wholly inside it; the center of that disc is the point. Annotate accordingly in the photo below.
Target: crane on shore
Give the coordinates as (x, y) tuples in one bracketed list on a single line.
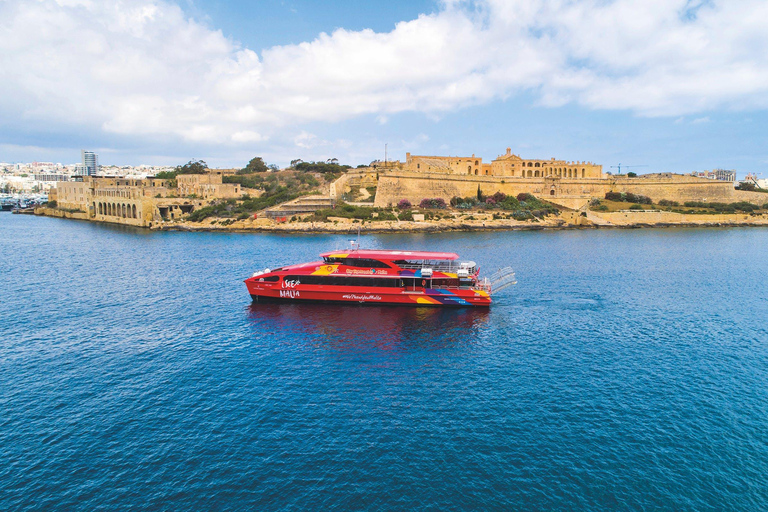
[(626, 167)]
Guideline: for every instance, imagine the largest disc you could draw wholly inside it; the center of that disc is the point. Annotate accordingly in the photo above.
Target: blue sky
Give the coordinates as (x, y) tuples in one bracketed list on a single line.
[(672, 85)]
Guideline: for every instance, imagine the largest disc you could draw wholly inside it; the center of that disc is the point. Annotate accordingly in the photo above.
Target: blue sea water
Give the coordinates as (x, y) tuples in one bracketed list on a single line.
[(627, 370)]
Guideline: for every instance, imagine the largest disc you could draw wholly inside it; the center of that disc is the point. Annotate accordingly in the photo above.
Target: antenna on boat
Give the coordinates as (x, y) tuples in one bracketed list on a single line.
[(355, 244)]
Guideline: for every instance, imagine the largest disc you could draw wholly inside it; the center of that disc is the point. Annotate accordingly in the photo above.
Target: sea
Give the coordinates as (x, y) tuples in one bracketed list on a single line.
[(626, 370)]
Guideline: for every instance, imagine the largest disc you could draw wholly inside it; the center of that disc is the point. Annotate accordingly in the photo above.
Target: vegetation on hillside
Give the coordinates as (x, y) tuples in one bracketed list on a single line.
[(615, 201), (278, 187), (524, 206), (349, 211), (191, 167)]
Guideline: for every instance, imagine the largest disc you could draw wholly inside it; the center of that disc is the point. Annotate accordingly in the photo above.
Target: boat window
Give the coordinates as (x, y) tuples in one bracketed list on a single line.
[(371, 282), (270, 279), (358, 262)]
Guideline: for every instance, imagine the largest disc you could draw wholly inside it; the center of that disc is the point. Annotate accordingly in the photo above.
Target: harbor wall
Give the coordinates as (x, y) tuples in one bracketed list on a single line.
[(396, 185)]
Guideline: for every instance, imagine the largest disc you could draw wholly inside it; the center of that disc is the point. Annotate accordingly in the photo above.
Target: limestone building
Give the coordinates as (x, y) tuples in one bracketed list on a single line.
[(141, 202), (505, 165), (206, 186)]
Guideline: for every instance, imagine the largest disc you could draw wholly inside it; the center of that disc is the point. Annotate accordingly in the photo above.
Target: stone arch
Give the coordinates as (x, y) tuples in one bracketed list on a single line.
[(536, 164), (582, 173), (475, 172), (469, 169), (477, 162), (134, 211), (536, 174), (530, 164), (570, 173), (552, 191), (530, 174)]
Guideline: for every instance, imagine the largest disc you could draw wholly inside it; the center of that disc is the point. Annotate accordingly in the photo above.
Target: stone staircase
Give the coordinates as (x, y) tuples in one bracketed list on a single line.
[(304, 204)]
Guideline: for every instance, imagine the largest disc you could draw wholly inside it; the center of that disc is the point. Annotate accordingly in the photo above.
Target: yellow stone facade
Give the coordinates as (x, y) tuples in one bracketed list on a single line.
[(570, 192), (141, 202), (508, 164), (207, 186)]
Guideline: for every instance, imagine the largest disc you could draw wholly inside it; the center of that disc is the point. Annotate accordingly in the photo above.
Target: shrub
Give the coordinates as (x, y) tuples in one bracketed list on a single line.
[(437, 202), (765, 206), (464, 203), (613, 196), (594, 202), (636, 207), (601, 208), (51, 204), (667, 202), (499, 197), (404, 204), (745, 185), (744, 206), (631, 175), (723, 207), (321, 167), (522, 214), (524, 197), (489, 201)]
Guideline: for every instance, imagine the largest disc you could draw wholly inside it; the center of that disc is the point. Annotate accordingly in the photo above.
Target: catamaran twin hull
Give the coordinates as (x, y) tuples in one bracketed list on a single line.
[(414, 278)]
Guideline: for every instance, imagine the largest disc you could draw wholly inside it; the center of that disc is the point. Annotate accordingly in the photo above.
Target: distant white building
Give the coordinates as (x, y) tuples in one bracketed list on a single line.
[(90, 163)]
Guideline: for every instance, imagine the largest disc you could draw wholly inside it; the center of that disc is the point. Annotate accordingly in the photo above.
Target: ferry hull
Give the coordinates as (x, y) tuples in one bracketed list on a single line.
[(428, 297)]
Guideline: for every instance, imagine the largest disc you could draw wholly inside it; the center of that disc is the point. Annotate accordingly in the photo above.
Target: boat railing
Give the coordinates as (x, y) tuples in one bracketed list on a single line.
[(441, 267), (502, 278)]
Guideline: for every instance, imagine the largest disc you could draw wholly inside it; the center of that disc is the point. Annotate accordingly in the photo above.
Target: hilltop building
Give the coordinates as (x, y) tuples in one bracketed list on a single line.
[(504, 165)]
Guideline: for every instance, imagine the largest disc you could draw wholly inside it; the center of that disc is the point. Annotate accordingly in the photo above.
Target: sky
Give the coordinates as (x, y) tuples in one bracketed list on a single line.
[(653, 86)]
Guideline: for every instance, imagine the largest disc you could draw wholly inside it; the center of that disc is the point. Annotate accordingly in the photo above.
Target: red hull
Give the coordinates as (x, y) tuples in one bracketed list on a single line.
[(341, 294)]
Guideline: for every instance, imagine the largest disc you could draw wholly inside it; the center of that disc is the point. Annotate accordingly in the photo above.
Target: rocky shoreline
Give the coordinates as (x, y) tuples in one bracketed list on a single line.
[(592, 220)]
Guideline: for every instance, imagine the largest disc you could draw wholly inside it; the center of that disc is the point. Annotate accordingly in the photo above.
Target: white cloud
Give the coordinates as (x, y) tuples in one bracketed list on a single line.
[(142, 67)]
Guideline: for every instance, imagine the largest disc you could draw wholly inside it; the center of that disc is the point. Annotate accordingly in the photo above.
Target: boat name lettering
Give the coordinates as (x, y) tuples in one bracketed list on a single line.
[(360, 271), (352, 296), (291, 284), (290, 294)]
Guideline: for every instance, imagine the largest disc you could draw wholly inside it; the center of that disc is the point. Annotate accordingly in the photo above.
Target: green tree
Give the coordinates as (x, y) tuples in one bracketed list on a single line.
[(745, 185), (192, 167), (255, 165)]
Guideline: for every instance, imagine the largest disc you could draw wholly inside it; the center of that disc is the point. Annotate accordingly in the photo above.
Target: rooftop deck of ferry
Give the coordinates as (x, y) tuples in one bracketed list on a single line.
[(438, 261)]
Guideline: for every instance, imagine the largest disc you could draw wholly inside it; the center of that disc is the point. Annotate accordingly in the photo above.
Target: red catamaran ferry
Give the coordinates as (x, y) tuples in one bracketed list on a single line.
[(381, 277)]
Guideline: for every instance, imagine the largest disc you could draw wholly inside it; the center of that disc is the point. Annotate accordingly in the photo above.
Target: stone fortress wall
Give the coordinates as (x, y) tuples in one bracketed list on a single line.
[(569, 184)]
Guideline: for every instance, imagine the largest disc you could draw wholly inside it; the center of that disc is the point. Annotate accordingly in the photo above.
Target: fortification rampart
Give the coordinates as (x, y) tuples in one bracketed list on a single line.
[(396, 185)]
